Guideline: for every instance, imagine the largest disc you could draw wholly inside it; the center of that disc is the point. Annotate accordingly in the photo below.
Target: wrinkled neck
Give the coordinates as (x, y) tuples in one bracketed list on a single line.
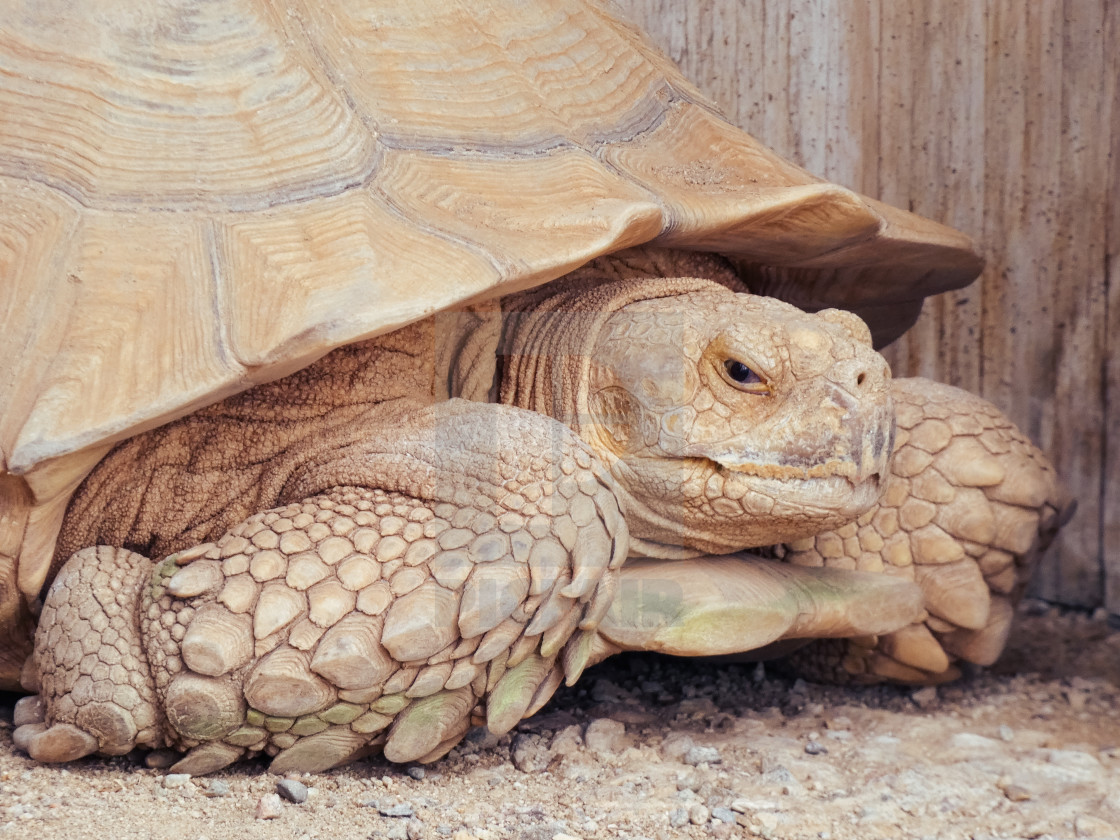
[(545, 360), (548, 341)]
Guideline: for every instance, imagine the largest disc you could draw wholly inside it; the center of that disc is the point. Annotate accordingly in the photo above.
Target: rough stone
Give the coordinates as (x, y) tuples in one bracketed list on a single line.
[(397, 809), (604, 735), (292, 790), (269, 807), (528, 753), (702, 755)]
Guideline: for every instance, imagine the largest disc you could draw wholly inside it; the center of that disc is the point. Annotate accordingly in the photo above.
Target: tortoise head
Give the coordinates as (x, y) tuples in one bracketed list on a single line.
[(728, 420), (733, 421)]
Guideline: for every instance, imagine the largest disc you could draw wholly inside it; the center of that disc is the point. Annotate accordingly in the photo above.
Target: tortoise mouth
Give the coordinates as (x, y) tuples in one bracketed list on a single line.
[(824, 488), (790, 472), (837, 476), (717, 510)]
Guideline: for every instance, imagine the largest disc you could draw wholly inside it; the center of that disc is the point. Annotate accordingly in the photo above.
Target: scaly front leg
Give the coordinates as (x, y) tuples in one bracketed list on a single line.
[(969, 506), (453, 569)]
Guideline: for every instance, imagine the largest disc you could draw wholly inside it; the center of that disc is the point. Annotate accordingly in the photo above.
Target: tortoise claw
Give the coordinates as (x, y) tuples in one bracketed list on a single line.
[(22, 735), (737, 603), (511, 696), (206, 758), (427, 723), (61, 742), (29, 710)]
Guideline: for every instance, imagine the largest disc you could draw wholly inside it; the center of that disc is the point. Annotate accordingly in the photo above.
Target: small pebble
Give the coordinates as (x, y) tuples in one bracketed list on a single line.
[(698, 814), (604, 735), (1089, 826), (702, 755), (416, 773), (567, 741), (978, 744), (778, 775), (767, 820), (723, 814), (216, 787), (529, 754), (924, 697), (816, 748), (269, 807), (176, 780), (678, 818), (676, 746), (292, 790), (395, 809)]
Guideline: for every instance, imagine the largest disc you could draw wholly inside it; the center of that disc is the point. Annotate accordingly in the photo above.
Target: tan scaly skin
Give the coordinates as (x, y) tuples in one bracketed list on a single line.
[(970, 506), (421, 565)]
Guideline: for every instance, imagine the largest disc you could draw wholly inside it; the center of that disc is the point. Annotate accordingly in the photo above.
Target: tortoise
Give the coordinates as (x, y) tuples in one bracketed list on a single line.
[(375, 367)]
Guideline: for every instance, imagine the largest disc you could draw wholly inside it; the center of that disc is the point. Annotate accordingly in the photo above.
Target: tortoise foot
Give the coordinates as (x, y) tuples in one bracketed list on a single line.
[(96, 693)]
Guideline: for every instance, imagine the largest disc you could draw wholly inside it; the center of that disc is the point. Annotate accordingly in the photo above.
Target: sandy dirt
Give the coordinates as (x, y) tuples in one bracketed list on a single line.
[(651, 747)]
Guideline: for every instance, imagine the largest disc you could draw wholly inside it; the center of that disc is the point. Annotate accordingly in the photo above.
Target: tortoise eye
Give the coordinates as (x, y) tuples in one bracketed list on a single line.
[(745, 378)]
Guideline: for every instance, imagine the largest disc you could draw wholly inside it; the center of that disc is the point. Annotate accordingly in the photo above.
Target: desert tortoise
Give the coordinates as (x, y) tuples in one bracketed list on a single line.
[(199, 198)]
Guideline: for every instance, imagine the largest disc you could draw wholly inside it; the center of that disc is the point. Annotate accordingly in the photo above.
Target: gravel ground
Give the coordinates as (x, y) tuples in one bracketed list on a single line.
[(652, 747)]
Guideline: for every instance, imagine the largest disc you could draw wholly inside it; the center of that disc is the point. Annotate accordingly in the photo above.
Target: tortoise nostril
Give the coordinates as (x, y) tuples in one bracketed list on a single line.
[(859, 378)]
